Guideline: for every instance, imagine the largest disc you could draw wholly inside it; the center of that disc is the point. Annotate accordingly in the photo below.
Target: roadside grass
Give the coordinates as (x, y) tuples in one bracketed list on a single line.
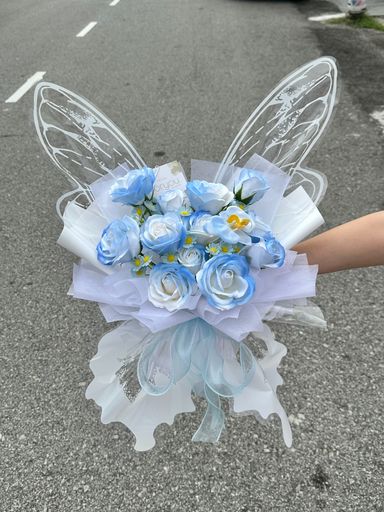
[(363, 21)]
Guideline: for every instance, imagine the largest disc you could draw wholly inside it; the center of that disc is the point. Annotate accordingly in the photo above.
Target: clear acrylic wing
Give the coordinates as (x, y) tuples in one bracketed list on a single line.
[(82, 142), (286, 125)]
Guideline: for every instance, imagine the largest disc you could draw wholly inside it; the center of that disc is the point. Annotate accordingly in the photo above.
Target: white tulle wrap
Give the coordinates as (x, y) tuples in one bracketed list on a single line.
[(147, 369)]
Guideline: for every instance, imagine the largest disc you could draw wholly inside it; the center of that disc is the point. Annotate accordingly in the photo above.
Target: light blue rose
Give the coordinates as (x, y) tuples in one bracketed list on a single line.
[(210, 197), (225, 281), (275, 251), (266, 253), (250, 186), (192, 257), (163, 233), (133, 188), (170, 286), (120, 242), (171, 200)]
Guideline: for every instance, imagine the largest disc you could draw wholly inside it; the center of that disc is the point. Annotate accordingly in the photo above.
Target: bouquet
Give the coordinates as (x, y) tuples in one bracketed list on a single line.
[(195, 270)]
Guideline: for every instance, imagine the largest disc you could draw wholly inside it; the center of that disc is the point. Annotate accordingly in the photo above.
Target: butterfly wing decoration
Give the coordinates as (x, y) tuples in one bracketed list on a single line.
[(82, 142), (286, 125)]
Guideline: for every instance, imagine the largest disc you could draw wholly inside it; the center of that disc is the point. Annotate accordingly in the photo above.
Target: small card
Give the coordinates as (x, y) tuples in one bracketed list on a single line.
[(168, 177)]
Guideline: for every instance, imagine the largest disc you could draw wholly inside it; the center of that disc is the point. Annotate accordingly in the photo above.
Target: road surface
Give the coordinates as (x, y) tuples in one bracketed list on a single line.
[(180, 77)]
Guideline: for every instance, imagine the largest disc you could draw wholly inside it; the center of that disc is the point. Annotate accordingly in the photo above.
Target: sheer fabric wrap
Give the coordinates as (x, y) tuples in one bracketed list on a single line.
[(144, 379)]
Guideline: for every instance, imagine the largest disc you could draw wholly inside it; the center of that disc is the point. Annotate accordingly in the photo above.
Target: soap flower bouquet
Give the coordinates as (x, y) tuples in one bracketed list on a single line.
[(193, 271)]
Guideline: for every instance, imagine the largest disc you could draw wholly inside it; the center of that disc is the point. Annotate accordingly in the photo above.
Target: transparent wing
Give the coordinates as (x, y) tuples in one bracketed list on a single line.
[(286, 125), (82, 142), (79, 196)]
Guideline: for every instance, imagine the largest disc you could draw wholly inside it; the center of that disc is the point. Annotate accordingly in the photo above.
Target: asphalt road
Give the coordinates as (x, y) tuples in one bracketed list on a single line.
[(180, 77)]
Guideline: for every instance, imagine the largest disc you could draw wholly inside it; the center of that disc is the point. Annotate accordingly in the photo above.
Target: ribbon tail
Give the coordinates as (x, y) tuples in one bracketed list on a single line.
[(212, 424)]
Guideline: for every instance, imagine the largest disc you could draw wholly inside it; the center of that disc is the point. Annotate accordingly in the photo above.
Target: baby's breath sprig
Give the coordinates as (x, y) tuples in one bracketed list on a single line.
[(151, 206), (186, 211), (142, 264), (215, 248), (169, 258), (139, 214), (189, 240)]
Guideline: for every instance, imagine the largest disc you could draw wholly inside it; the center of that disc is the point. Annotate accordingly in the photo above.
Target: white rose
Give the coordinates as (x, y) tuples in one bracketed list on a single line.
[(192, 257), (196, 227), (171, 200), (250, 186)]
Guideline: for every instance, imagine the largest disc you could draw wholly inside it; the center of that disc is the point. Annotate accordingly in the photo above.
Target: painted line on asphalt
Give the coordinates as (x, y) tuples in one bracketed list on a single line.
[(86, 29), (378, 115), (326, 17), (114, 2), (25, 87)]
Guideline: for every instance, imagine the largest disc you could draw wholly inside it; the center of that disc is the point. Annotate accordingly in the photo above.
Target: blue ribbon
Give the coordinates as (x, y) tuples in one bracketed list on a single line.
[(212, 424), (208, 354)]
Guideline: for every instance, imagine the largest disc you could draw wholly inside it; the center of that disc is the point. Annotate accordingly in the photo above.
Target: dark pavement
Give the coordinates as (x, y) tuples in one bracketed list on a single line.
[(180, 77)]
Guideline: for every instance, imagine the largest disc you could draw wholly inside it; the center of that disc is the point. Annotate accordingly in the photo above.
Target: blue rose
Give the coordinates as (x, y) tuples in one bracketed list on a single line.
[(163, 233), (120, 242), (225, 281), (250, 186), (266, 253), (210, 197), (275, 251), (133, 188), (170, 286)]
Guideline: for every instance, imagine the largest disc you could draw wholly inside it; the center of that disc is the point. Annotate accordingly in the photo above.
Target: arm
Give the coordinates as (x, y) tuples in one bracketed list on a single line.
[(359, 243)]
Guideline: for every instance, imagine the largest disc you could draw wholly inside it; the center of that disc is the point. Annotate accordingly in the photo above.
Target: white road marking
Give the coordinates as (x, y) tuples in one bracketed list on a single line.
[(25, 87), (86, 29), (326, 17), (378, 115), (114, 2)]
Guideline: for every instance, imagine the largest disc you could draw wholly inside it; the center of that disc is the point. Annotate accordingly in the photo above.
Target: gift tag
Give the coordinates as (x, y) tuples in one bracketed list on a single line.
[(168, 177)]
